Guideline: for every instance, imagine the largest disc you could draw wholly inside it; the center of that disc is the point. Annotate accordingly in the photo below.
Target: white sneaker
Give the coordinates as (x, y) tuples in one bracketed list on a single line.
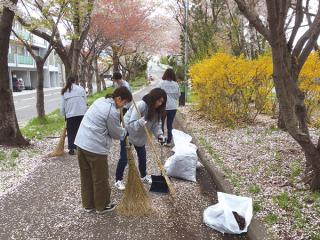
[(120, 185), (147, 179)]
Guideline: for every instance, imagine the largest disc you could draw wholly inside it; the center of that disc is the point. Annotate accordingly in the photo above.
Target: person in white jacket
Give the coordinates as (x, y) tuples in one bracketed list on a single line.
[(99, 126), (151, 109), (171, 87), (73, 107)]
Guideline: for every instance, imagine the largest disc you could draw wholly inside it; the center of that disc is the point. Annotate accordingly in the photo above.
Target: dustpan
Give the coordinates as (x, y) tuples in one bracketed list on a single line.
[(159, 183)]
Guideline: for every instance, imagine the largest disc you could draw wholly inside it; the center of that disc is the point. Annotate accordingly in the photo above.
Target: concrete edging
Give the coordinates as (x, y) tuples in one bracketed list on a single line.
[(256, 229)]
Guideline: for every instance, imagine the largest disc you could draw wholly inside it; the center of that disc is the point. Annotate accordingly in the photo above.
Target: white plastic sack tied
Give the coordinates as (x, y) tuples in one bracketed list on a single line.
[(183, 163), (221, 218)]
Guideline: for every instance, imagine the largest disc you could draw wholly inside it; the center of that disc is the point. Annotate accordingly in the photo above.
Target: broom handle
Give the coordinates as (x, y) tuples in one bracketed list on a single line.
[(123, 125), (160, 166)]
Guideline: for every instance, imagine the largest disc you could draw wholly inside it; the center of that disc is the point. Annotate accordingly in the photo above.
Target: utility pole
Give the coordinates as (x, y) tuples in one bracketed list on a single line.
[(185, 82), (186, 7)]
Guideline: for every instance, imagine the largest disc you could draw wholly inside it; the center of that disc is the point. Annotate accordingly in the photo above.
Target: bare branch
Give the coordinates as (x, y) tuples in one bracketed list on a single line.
[(313, 34), (253, 18), (298, 21)]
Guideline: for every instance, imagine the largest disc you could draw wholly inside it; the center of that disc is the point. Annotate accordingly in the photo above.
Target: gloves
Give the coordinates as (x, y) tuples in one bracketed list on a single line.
[(142, 121), (125, 133), (162, 139)]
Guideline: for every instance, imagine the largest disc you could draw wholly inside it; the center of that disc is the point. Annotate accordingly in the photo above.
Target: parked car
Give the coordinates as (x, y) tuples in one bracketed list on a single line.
[(17, 84), (28, 88)]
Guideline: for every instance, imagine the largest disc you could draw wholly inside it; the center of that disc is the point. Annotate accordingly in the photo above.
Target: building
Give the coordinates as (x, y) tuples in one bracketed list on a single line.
[(22, 65)]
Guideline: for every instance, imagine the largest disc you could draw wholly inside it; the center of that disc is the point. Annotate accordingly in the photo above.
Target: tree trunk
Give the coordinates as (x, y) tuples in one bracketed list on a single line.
[(89, 82), (104, 87), (96, 71), (115, 59), (82, 77), (292, 108), (281, 124), (40, 94), (9, 129)]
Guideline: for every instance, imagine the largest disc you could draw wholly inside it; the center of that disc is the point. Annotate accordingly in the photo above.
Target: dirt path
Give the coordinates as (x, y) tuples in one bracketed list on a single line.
[(48, 206)]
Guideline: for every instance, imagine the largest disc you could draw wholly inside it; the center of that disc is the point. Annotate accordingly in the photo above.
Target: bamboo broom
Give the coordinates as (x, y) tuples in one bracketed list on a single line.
[(158, 160), (135, 200), (59, 149)]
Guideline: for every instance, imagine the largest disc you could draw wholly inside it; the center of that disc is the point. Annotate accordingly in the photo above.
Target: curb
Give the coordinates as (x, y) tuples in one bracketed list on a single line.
[(256, 230)]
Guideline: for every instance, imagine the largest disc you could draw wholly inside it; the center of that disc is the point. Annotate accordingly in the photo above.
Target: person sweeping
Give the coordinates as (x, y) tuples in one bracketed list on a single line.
[(99, 126), (73, 108), (151, 108)]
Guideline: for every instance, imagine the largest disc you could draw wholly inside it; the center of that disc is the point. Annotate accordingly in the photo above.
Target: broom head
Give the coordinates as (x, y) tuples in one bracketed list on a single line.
[(59, 149), (135, 200)]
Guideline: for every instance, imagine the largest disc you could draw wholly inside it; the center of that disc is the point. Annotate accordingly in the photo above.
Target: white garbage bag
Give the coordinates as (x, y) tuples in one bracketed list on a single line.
[(221, 218), (183, 164), (179, 136)]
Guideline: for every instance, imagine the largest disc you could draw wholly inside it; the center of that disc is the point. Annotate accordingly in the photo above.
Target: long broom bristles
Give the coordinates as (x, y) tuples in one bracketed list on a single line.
[(135, 200), (59, 149)]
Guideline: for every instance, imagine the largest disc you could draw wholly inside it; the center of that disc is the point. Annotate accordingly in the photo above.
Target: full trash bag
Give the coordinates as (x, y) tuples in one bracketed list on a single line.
[(221, 216), (183, 163)]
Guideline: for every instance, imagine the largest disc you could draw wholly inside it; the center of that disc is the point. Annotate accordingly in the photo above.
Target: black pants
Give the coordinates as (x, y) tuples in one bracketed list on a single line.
[(73, 124), (142, 158), (170, 114)]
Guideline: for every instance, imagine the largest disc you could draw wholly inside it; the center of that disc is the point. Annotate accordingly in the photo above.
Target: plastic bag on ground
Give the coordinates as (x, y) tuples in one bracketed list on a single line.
[(221, 218), (183, 163)]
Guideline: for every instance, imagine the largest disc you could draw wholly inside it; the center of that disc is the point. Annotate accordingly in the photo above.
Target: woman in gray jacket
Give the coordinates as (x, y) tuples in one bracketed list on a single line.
[(99, 126), (151, 109), (171, 87), (73, 107)]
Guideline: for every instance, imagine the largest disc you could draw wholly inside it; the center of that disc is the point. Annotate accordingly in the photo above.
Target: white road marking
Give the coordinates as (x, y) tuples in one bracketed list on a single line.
[(23, 107)]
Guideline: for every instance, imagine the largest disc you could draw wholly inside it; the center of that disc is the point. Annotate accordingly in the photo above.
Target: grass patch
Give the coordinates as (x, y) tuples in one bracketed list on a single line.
[(270, 219), (95, 96), (315, 236), (254, 188), (286, 202), (9, 159), (257, 206), (52, 123), (138, 82), (2, 155), (296, 170), (39, 128)]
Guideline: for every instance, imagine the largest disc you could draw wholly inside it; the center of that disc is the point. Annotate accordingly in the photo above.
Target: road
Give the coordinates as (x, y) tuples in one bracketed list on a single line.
[(25, 101)]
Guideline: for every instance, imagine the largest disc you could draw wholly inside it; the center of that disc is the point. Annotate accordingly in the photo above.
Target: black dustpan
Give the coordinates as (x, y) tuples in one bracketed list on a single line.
[(159, 184)]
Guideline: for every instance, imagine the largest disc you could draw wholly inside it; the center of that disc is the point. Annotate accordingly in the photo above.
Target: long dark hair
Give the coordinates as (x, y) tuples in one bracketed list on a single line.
[(70, 80), (150, 99), (169, 75), (122, 92)]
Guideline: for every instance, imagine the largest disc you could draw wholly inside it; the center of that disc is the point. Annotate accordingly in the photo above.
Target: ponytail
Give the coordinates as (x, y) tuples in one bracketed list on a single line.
[(68, 86)]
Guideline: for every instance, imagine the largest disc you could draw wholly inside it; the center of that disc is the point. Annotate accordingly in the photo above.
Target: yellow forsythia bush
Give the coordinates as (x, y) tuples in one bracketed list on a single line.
[(309, 82), (232, 89)]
